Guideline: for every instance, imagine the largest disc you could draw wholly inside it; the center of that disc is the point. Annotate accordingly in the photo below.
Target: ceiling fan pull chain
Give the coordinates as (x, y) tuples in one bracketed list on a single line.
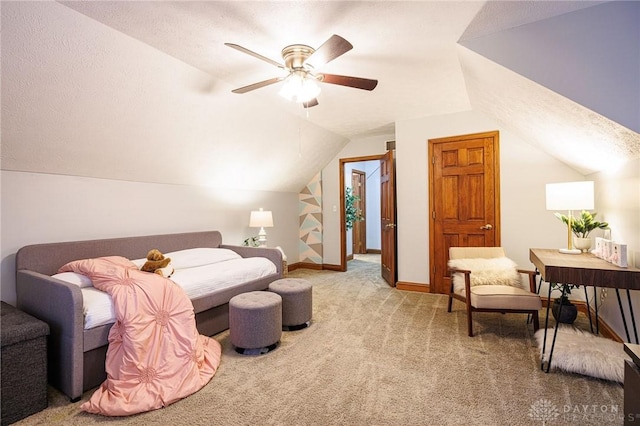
[(300, 139)]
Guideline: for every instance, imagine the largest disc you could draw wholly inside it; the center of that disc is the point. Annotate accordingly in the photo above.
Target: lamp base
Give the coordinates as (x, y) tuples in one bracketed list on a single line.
[(262, 237), (569, 251)]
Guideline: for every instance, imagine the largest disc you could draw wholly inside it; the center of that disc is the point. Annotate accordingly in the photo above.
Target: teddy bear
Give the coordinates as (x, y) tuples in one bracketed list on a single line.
[(157, 263)]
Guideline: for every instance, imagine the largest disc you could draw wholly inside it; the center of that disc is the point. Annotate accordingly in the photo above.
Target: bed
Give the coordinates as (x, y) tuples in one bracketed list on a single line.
[(76, 355)]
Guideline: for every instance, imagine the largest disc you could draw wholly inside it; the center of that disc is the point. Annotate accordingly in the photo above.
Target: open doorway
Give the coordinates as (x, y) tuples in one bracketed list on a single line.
[(362, 180), (360, 176)]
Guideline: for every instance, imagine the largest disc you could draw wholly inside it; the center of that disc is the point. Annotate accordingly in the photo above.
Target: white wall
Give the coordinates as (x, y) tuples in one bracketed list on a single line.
[(41, 208), (524, 171), (618, 203)]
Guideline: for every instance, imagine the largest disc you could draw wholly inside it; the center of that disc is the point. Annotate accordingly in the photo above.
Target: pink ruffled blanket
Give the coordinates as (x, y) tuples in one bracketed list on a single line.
[(155, 355)]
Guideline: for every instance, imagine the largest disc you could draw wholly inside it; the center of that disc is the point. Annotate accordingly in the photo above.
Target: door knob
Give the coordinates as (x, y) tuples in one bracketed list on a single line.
[(390, 225), (487, 227)]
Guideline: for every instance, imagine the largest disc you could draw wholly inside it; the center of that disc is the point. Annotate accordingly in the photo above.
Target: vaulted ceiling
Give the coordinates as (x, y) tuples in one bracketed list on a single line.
[(142, 90)]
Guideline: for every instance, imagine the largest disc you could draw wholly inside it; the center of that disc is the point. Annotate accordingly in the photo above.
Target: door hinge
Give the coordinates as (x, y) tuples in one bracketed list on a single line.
[(433, 160), (433, 214)]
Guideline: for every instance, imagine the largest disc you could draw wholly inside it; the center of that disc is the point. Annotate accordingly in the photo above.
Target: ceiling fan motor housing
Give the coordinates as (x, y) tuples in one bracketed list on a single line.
[(295, 55)]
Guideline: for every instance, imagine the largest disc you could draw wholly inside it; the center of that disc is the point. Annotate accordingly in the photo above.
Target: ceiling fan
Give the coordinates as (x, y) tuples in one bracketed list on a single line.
[(301, 63)]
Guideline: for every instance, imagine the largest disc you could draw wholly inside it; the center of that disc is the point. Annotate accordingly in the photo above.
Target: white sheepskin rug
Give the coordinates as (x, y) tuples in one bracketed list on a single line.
[(584, 353), (492, 271)]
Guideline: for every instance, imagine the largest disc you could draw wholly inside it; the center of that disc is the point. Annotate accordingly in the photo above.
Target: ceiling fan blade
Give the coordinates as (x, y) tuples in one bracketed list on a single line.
[(258, 85), (313, 102), (329, 50), (345, 80), (254, 54)]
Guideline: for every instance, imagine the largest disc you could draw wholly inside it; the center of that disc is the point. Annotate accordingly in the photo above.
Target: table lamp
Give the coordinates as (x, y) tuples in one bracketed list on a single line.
[(570, 196), (261, 219)]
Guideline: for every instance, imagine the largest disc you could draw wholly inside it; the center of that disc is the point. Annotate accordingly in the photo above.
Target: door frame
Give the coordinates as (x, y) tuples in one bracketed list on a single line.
[(495, 134), (343, 230), (363, 209)]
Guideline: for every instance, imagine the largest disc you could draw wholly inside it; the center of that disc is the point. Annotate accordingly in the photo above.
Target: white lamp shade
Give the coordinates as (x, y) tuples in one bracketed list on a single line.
[(570, 196), (261, 219)]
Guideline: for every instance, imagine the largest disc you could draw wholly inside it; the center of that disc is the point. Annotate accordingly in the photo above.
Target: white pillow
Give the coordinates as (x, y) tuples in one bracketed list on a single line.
[(493, 271), (139, 262), (191, 258), (80, 280)]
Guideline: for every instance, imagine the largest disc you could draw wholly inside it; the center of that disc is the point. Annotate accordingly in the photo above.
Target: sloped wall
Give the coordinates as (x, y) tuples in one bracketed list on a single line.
[(590, 56)]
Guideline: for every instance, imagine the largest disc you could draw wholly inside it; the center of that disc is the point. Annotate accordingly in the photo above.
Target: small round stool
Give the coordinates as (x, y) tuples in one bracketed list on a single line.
[(297, 304), (255, 322)]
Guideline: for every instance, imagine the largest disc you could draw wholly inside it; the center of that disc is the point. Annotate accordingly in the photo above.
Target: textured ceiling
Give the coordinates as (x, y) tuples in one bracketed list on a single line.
[(412, 54), (573, 134), (142, 90)]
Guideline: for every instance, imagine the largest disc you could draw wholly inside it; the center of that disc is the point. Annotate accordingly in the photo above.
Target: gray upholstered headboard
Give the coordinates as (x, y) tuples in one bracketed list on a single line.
[(47, 258)]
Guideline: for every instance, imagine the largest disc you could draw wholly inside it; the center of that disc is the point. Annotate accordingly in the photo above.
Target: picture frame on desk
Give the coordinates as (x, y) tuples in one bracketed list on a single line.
[(611, 251), (618, 255), (597, 251)]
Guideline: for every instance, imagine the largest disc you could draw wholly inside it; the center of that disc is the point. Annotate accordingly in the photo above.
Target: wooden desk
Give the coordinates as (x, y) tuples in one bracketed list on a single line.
[(587, 270), (582, 269)]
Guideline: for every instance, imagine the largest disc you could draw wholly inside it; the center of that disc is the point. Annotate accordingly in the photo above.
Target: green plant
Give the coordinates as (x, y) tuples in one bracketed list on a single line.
[(583, 225), (251, 242), (351, 213), (564, 298)]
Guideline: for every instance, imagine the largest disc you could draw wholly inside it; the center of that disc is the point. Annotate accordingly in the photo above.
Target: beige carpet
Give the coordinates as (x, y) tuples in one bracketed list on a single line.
[(379, 356)]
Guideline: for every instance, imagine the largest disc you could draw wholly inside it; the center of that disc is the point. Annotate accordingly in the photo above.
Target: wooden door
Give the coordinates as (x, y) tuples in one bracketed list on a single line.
[(388, 218), (359, 231), (464, 199)]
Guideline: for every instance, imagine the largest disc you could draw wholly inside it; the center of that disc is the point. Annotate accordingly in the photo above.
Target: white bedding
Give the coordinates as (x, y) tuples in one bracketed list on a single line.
[(196, 282)]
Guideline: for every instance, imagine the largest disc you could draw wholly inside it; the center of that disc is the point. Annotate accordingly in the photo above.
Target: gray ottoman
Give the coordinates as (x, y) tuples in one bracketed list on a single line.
[(297, 303), (24, 364), (255, 322)]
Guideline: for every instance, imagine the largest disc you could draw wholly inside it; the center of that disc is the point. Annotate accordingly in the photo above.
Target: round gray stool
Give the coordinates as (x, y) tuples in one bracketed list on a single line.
[(255, 322), (297, 304)]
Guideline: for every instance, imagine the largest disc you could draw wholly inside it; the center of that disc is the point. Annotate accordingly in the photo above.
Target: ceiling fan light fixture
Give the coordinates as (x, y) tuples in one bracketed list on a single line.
[(299, 88)]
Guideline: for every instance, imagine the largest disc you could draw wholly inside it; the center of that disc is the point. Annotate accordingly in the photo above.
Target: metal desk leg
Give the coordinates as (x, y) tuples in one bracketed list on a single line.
[(586, 297), (546, 327), (633, 319), (595, 302), (555, 332), (624, 317)]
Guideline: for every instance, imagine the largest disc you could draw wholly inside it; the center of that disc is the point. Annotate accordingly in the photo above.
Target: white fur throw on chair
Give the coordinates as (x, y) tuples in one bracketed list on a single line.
[(487, 271)]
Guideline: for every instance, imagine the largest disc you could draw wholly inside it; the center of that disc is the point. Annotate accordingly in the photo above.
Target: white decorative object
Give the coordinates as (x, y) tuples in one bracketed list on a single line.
[(599, 246), (584, 353), (570, 196), (612, 252), (618, 254)]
